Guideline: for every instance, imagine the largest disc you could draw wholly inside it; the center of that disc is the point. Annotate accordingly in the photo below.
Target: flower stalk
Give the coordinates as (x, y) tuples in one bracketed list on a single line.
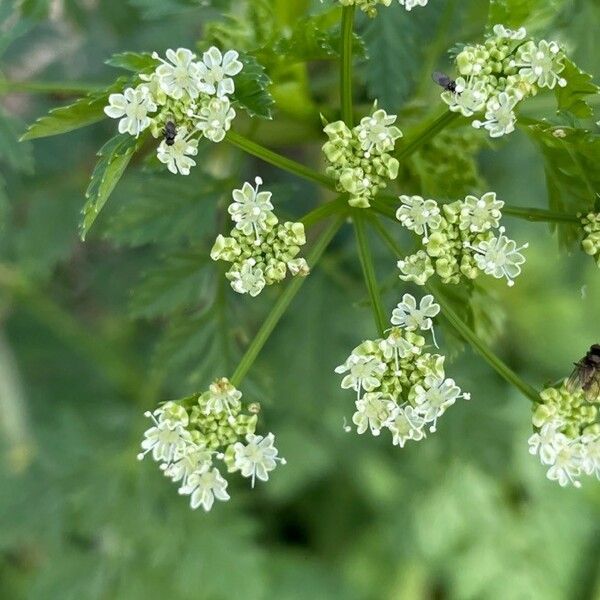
[(346, 65)]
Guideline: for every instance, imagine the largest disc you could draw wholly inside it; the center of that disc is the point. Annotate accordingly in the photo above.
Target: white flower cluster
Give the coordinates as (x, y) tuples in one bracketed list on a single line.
[(370, 6), (398, 386), (261, 249), (463, 238), (567, 437), (591, 241), (191, 97), (498, 74), (360, 159), (187, 438)]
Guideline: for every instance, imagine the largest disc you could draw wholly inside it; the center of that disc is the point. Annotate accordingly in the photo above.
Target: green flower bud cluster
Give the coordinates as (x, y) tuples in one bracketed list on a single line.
[(260, 249), (369, 7), (591, 242), (461, 239), (360, 159), (498, 74)]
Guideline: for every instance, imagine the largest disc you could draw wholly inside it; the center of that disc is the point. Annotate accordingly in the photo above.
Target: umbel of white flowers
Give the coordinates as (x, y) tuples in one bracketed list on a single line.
[(370, 6), (591, 241), (187, 438), (360, 159), (461, 239), (399, 386), (500, 73), (260, 249), (193, 95), (567, 435)]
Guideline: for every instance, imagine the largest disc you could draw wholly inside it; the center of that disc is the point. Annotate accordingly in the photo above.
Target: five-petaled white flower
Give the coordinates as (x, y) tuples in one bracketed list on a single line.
[(408, 315), (372, 411), (567, 464), (249, 279), (410, 4), (468, 98), (222, 397), (541, 64), (132, 107), (177, 156), (435, 396), (406, 424), (500, 257), (252, 210), (481, 214), (396, 346), (163, 441), (216, 70), (547, 441), (179, 75), (192, 459), (418, 214), (257, 457), (378, 131), (509, 34), (364, 373), (500, 117), (204, 487), (214, 118)]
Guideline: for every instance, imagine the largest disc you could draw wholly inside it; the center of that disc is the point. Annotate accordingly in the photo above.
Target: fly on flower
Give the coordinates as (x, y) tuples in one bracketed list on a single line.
[(444, 81), (586, 374), (170, 133)]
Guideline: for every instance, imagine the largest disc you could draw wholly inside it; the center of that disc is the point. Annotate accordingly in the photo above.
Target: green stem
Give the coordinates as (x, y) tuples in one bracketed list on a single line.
[(48, 87), (325, 210), (277, 160), (366, 260), (346, 65), (282, 304), (426, 134), (464, 330)]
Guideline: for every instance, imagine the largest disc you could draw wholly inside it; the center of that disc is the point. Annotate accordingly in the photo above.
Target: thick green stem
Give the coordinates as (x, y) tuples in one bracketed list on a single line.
[(464, 330), (48, 87), (277, 160), (346, 65), (366, 260), (282, 304), (425, 135), (325, 210)]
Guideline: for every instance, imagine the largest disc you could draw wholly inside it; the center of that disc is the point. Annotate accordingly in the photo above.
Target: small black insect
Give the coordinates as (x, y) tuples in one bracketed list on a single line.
[(170, 131), (444, 81), (586, 374)]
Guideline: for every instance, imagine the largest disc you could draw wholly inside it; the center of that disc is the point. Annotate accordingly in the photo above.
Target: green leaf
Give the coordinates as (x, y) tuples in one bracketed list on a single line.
[(83, 112), (571, 158), (114, 158), (251, 88), (573, 97), (534, 14), (138, 62), (179, 281)]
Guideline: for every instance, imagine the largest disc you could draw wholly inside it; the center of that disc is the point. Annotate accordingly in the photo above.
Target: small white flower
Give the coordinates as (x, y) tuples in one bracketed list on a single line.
[(177, 155), (500, 116), (372, 411), (410, 4), (500, 257), (163, 441), (396, 346), (591, 455), (257, 457), (298, 266), (509, 34), (132, 107), (547, 441), (410, 317), (378, 131), (193, 459), (365, 373), (417, 268), (179, 76), (541, 64), (251, 210), (204, 487), (222, 397), (406, 424), (468, 98), (481, 214), (435, 397), (216, 71), (567, 464), (249, 279), (214, 119), (417, 214)]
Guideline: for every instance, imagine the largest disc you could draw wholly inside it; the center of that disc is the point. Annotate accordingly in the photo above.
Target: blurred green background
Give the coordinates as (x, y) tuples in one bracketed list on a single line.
[(93, 334)]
